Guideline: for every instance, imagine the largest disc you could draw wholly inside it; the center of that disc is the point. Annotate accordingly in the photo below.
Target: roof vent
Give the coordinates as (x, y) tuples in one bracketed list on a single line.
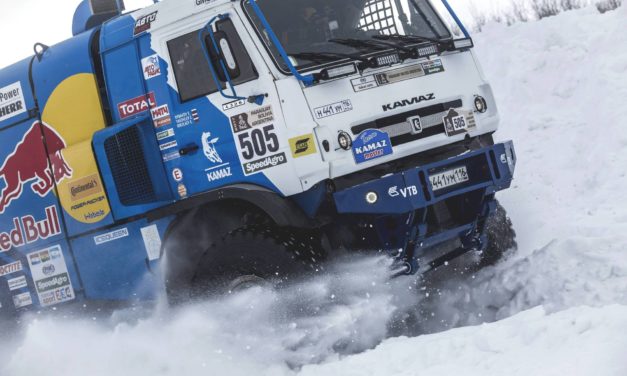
[(93, 13)]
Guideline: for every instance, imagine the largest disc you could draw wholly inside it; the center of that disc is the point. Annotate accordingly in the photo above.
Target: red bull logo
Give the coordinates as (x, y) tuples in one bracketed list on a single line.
[(27, 230), (28, 163)]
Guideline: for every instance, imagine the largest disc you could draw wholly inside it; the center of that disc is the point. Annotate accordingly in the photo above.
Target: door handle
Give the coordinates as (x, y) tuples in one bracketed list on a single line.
[(189, 149)]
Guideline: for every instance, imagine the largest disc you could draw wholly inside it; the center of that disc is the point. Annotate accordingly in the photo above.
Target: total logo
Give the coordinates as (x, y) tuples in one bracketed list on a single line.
[(136, 105), (27, 230), (28, 163), (410, 191)]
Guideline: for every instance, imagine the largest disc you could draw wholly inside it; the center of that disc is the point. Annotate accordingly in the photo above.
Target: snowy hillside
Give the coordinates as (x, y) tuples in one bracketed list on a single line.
[(557, 306)]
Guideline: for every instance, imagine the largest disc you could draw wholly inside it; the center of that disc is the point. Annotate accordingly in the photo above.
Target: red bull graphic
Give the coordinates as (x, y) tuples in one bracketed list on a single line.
[(28, 163), (27, 230)]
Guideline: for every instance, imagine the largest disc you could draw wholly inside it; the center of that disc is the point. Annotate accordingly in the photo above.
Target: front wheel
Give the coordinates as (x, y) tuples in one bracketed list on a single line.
[(501, 237), (256, 255)]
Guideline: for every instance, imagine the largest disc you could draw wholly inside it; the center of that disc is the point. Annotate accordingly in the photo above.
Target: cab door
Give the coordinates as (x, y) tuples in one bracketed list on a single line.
[(212, 140)]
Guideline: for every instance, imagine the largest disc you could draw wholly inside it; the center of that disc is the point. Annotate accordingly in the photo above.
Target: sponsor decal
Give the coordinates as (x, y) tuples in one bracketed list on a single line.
[(408, 102), (182, 190), (27, 230), (85, 187), (265, 163), (186, 118), (303, 145), (204, 2), (219, 172), (17, 283), (152, 242), (11, 268), (209, 148), (371, 144), (51, 277), (22, 300), (48, 269), (248, 120), (177, 175), (458, 121), (406, 192), (397, 75), (171, 156), (111, 236), (28, 163), (234, 104), (333, 109), (144, 23), (416, 124), (11, 101), (168, 145), (165, 134), (161, 116), (150, 66), (136, 105)]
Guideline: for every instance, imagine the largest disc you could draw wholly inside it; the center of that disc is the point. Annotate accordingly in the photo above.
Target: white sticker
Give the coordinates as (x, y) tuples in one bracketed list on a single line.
[(10, 268), (111, 236), (152, 241), (177, 174), (11, 101), (150, 66), (165, 134), (168, 145), (52, 280), (17, 283), (22, 300), (333, 109)]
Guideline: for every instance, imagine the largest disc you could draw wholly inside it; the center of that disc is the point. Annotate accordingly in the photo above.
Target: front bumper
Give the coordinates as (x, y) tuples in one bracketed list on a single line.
[(490, 169)]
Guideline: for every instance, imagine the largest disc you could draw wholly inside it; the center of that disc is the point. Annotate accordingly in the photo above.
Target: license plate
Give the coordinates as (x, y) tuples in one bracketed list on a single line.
[(449, 178)]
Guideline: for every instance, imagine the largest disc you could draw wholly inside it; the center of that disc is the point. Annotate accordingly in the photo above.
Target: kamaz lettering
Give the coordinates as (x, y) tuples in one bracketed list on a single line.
[(408, 102)]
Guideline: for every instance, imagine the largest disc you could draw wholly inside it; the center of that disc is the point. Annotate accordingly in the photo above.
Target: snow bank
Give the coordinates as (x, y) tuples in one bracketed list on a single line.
[(561, 84), (579, 341)]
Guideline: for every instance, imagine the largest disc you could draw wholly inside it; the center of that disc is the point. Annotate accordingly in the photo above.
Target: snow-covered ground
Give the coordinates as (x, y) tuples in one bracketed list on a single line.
[(557, 306)]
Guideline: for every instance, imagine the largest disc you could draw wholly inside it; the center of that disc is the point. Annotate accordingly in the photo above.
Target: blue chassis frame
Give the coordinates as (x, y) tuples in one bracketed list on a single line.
[(500, 160)]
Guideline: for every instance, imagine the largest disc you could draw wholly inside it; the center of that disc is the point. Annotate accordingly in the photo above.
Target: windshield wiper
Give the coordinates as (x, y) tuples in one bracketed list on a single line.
[(362, 43), (407, 38), (321, 57)]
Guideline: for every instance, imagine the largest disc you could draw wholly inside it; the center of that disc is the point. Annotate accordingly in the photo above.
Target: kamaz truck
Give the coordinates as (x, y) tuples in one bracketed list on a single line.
[(196, 146)]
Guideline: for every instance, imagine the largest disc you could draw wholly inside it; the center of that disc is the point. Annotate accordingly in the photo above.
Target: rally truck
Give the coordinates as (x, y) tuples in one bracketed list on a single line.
[(196, 146)]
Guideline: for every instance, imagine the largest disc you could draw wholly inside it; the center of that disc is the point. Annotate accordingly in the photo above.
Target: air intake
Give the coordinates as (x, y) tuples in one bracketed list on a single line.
[(93, 13)]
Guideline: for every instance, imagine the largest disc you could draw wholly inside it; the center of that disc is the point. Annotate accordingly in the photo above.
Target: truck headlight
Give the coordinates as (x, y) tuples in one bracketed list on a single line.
[(480, 104), (345, 140)]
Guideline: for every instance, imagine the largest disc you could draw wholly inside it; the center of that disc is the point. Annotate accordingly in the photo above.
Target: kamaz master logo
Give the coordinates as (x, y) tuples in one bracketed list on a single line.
[(408, 102)]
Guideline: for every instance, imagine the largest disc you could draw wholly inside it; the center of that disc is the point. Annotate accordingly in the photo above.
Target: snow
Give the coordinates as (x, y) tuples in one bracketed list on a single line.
[(556, 306)]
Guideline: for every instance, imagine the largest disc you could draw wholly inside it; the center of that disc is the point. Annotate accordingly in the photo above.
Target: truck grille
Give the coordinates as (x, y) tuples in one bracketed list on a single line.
[(125, 154), (399, 129)]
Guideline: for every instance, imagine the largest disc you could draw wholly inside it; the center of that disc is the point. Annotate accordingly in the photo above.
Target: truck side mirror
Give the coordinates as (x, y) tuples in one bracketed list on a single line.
[(223, 57)]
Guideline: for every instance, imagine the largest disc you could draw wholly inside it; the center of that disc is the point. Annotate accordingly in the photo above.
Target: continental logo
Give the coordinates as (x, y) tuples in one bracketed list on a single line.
[(303, 145), (85, 187)]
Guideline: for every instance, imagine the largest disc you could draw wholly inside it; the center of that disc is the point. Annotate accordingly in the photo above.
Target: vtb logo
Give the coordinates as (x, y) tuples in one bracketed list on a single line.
[(28, 163)]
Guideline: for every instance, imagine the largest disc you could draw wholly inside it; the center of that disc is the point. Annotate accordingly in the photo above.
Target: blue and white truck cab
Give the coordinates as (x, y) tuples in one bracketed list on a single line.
[(200, 144)]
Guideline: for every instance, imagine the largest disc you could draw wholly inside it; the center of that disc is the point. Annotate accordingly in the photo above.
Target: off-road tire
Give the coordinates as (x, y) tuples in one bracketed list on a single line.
[(264, 253), (501, 237)]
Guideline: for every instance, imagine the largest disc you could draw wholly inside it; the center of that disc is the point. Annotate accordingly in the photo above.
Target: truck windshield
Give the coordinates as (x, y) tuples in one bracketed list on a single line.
[(315, 32)]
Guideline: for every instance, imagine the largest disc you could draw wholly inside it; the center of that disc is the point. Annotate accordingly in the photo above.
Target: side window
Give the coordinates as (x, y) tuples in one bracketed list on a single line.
[(191, 68)]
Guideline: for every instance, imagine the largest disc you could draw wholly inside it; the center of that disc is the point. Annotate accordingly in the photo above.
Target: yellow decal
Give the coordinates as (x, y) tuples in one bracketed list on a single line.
[(74, 109), (303, 145), (83, 197)]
